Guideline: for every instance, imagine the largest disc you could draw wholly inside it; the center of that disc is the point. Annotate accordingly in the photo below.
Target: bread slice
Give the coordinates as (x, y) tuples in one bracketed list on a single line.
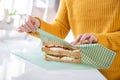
[(47, 44), (64, 59), (57, 52)]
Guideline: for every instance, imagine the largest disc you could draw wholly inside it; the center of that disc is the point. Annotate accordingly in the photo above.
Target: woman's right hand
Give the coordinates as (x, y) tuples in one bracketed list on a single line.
[(29, 25)]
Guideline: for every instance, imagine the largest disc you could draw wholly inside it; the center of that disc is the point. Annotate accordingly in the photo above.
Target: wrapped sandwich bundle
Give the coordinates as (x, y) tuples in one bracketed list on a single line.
[(56, 49)]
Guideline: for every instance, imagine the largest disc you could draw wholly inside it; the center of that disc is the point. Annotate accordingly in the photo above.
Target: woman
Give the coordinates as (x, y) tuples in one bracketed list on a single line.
[(91, 21)]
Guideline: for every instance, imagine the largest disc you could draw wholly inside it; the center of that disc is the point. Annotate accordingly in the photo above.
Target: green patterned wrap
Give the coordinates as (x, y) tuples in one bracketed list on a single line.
[(94, 55)]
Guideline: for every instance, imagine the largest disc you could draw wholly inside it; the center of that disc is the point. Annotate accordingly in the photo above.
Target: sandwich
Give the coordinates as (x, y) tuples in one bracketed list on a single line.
[(61, 53)]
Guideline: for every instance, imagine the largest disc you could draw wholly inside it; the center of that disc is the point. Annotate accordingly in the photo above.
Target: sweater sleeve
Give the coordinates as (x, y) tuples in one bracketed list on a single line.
[(60, 26), (110, 40)]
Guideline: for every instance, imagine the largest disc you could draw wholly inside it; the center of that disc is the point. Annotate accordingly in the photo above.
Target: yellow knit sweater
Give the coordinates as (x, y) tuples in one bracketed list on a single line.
[(100, 17)]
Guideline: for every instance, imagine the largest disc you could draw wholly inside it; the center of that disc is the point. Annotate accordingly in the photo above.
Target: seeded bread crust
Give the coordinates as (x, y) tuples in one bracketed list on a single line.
[(68, 53)]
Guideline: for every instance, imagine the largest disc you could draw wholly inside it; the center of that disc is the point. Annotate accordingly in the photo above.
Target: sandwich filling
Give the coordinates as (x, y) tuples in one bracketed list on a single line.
[(59, 47), (61, 57), (57, 55)]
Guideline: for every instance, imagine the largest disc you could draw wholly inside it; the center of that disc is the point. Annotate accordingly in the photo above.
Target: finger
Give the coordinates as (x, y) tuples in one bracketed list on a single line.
[(22, 28), (31, 19), (30, 25), (85, 42), (93, 39), (77, 40), (19, 29), (27, 28), (84, 37)]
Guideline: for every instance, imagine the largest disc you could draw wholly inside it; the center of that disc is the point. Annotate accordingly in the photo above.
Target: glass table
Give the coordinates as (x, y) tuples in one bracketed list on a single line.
[(15, 68)]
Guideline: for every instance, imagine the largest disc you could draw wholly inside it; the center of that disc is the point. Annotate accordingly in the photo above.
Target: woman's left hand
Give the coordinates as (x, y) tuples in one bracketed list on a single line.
[(86, 38)]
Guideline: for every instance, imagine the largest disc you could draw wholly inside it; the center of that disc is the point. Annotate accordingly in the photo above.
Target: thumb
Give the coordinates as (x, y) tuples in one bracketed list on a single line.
[(77, 40)]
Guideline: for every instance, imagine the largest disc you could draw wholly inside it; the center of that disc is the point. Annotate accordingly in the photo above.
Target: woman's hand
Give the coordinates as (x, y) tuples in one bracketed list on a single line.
[(29, 25), (85, 39)]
